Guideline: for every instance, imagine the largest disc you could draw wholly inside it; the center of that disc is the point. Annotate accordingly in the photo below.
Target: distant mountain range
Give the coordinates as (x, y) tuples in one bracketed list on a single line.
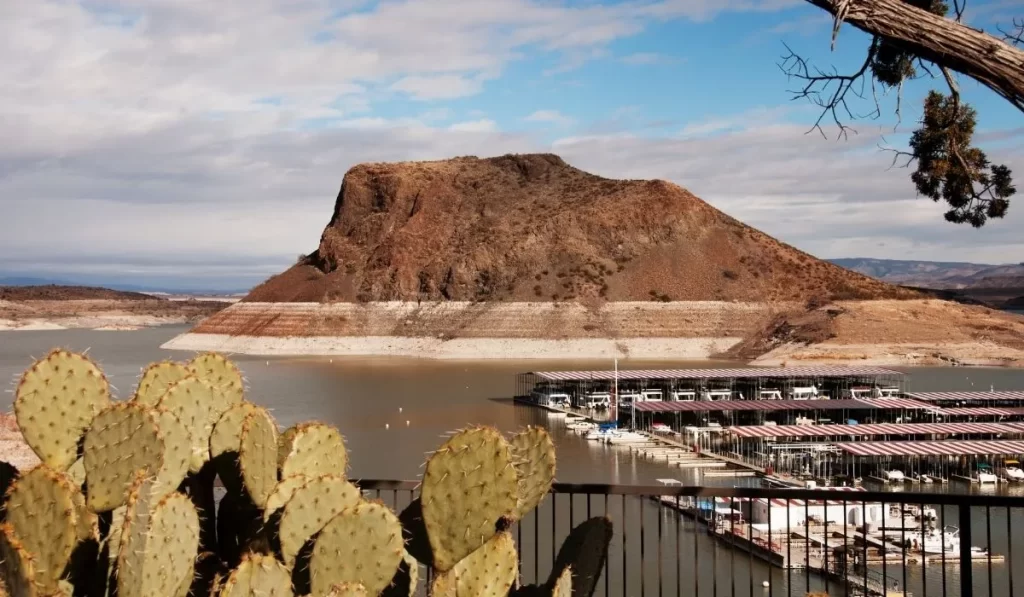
[(938, 274), (996, 285), (113, 285)]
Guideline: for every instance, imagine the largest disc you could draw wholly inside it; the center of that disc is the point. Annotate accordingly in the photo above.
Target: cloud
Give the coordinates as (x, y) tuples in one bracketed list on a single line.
[(439, 87), (551, 116), (484, 125), (161, 134)]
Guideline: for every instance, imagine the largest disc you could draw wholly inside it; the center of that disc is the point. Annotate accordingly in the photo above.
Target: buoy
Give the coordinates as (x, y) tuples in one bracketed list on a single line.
[(399, 409), (765, 584), (387, 426), (407, 423)]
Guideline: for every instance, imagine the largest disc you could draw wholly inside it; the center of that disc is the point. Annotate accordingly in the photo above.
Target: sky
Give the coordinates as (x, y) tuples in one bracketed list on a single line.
[(203, 143)]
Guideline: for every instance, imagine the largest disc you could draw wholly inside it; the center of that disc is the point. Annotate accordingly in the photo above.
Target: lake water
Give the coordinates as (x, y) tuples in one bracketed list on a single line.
[(393, 411)]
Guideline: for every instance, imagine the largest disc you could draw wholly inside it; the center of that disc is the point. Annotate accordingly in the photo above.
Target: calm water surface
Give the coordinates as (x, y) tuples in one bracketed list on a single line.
[(393, 411)]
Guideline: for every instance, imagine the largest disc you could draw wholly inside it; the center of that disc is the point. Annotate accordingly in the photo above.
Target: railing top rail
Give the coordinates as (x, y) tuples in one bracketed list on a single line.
[(950, 499)]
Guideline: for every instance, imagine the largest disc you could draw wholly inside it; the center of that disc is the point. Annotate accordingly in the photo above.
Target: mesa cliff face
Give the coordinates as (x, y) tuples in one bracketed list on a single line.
[(531, 228)]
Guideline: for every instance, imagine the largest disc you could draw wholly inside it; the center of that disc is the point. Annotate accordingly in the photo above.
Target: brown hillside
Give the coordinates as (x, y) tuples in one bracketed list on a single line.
[(531, 227)]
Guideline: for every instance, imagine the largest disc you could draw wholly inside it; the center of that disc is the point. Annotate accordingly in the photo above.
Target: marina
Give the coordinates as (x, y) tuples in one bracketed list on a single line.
[(804, 427)]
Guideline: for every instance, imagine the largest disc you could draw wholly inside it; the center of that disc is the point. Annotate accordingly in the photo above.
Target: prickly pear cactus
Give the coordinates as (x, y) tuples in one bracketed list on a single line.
[(282, 493), (257, 456), (19, 569), (583, 553), (159, 543), (563, 586), (156, 379), (227, 433), (258, 575), (56, 399), (490, 571), (312, 449), (198, 406), (113, 538), (361, 544), (533, 453), (312, 506), (469, 486), (177, 451), (220, 373), (348, 589), (123, 439), (42, 514)]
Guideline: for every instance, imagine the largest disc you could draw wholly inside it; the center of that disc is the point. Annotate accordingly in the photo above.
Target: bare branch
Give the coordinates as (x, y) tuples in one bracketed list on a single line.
[(1016, 35), (828, 90), (958, 9)]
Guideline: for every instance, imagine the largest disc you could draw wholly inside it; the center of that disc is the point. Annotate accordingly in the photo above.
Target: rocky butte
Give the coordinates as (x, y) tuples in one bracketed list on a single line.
[(524, 256)]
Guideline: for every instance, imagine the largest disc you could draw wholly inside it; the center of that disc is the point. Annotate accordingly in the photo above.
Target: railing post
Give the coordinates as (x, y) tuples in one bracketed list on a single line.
[(966, 562)]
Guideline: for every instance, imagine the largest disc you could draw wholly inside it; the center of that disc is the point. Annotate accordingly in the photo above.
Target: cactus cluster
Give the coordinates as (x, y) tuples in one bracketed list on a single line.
[(123, 503)]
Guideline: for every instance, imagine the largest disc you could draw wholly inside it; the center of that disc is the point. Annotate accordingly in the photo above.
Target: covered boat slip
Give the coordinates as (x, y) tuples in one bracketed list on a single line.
[(746, 384), (742, 413), (934, 450)]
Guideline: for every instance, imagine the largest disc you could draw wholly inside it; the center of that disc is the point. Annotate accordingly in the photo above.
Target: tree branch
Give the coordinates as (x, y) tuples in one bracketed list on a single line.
[(828, 90), (993, 62), (1016, 35)]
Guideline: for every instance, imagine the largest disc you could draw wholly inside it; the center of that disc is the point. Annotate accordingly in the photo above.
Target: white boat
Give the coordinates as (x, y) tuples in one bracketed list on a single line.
[(935, 541), (581, 426), (894, 476), (602, 434), (597, 400), (661, 428), (650, 395), (984, 478), (625, 437)]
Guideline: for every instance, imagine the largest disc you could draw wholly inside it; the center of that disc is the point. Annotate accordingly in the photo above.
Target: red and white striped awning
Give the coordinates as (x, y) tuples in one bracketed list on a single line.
[(744, 373), (967, 396), (781, 405), (981, 411), (873, 429), (932, 448)]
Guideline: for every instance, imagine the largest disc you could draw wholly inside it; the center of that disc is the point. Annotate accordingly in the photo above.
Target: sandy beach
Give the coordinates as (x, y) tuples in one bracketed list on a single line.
[(101, 314)]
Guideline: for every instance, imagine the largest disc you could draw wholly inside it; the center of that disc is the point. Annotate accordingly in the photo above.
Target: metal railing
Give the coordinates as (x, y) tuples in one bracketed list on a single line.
[(699, 541)]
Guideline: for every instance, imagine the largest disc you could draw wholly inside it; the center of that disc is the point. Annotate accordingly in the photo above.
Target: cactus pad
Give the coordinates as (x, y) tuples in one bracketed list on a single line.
[(220, 373), (56, 399), (258, 576), (114, 534), (177, 451), (468, 487), (155, 380), (198, 406), (563, 585), (124, 438), (159, 542), (533, 453), (361, 544), (227, 433), (41, 512), (77, 473), (282, 493), (490, 571), (257, 456), (311, 507), (584, 552), (348, 589), (86, 522), (312, 449), (19, 571)]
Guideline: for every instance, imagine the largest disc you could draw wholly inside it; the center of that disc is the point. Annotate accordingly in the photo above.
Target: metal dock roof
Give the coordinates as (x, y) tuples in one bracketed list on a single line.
[(781, 405), (932, 448), (982, 411), (940, 396), (744, 373), (755, 431)]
